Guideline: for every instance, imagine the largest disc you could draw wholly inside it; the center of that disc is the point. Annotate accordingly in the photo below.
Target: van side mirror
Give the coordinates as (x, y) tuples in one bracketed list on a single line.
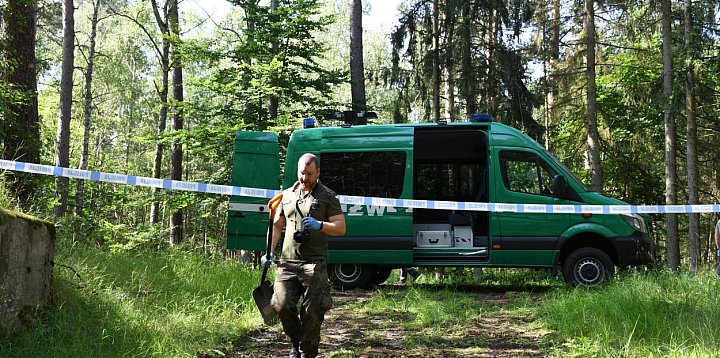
[(562, 190)]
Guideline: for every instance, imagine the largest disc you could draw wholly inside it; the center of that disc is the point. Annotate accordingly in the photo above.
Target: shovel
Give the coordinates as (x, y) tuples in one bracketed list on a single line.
[(263, 293)]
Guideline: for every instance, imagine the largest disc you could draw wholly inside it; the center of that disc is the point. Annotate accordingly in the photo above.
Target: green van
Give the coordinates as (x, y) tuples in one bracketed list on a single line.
[(431, 165)]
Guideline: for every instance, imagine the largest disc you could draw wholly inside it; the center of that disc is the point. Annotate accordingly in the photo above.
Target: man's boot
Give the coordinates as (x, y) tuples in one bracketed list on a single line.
[(295, 351)]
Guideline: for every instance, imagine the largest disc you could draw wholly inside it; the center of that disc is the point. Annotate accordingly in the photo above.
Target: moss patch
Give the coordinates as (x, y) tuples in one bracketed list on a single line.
[(7, 213)]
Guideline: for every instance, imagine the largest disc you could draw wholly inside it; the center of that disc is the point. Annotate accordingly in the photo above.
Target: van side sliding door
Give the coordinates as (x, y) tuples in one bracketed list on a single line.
[(451, 164)]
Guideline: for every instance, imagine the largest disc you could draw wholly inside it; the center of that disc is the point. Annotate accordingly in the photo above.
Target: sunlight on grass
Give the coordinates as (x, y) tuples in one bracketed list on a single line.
[(433, 317), (173, 304), (638, 315), (144, 304)]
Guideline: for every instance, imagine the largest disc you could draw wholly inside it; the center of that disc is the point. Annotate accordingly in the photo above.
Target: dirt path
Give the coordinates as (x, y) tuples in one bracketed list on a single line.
[(347, 333)]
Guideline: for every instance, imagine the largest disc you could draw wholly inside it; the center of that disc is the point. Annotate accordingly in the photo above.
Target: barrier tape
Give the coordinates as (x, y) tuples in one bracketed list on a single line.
[(357, 200)]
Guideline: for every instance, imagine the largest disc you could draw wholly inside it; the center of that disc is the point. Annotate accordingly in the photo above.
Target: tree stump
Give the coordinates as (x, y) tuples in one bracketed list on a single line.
[(27, 250)]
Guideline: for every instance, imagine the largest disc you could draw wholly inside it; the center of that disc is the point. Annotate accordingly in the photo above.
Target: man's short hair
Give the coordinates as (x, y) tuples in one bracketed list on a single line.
[(309, 158)]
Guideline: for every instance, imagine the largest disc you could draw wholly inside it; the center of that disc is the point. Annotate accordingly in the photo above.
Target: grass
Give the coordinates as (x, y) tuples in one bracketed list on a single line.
[(140, 304), (439, 315), (174, 304), (638, 315)]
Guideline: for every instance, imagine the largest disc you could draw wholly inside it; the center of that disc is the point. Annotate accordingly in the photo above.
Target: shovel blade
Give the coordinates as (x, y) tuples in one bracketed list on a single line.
[(262, 295)]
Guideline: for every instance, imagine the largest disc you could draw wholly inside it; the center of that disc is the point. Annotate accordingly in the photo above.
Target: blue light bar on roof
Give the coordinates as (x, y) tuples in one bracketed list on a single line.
[(481, 117), (308, 122)]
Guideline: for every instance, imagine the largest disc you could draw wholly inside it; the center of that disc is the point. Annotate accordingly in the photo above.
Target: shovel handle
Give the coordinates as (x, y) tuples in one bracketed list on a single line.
[(272, 204)]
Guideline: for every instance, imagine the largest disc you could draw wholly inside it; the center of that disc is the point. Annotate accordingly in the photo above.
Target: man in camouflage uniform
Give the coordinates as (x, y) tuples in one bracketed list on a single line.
[(312, 208)]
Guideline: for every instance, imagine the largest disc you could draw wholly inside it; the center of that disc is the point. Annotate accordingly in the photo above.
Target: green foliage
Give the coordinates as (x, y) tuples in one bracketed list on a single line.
[(6, 200), (636, 130), (275, 58), (480, 43)]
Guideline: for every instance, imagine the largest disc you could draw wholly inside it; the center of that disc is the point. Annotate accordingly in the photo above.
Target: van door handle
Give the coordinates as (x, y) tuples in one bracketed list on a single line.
[(473, 253)]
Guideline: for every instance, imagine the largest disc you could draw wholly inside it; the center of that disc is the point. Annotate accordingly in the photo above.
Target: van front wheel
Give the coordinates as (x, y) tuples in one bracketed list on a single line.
[(350, 276), (588, 267)]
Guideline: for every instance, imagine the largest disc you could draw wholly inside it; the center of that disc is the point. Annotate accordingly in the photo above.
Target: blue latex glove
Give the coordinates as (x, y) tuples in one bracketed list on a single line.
[(310, 223), (265, 262)]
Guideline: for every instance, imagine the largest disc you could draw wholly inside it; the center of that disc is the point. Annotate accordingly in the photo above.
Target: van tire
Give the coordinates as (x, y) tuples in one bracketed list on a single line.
[(379, 276), (588, 267), (350, 276)]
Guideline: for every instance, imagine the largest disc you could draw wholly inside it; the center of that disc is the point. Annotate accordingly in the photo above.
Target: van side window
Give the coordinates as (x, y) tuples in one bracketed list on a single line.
[(525, 172), (448, 181), (378, 174)]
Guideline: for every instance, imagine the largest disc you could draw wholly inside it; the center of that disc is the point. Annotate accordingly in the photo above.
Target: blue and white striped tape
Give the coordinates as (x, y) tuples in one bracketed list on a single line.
[(358, 200)]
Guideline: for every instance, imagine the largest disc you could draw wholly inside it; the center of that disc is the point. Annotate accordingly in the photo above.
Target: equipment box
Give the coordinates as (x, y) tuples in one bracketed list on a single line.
[(463, 236), (434, 239)]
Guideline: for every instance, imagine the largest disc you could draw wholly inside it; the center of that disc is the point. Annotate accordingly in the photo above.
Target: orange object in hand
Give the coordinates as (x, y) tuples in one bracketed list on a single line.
[(274, 203)]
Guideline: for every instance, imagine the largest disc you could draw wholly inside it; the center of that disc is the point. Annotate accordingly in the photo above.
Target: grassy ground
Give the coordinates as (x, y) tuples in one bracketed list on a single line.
[(145, 304), (638, 315), (175, 304)]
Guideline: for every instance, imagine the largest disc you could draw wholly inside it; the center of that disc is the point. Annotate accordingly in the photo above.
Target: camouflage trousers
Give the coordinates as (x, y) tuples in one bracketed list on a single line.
[(308, 280)]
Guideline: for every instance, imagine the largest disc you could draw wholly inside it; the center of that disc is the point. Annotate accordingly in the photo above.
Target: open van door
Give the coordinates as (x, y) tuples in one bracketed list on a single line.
[(256, 164), (451, 164)]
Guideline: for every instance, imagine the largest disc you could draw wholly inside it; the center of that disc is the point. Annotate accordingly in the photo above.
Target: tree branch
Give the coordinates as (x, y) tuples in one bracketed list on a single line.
[(142, 27)]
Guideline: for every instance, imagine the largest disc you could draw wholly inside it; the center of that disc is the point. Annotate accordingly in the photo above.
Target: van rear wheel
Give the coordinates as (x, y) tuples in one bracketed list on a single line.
[(350, 276), (379, 276), (588, 267)]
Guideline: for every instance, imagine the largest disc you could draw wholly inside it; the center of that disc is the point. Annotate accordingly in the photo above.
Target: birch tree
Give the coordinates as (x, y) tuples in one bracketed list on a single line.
[(162, 51), (87, 110), (176, 152), (593, 136), (62, 151), (673, 244)]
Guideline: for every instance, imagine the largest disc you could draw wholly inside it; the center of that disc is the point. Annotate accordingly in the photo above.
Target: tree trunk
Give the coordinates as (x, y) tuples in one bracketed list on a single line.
[(21, 129), (162, 117), (467, 70), (593, 136), (176, 152), (449, 64), (87, 114), (490, 95), (357, 64), (673, 244), (273, 100), (552, 82), (692, 162), (62, 151), (436, 60)]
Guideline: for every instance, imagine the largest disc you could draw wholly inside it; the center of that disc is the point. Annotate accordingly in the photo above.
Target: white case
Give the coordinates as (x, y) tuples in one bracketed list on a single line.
[(434, 239)]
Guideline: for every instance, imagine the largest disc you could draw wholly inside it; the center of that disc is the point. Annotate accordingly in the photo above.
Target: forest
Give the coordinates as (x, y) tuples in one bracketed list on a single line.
[(624, 93)]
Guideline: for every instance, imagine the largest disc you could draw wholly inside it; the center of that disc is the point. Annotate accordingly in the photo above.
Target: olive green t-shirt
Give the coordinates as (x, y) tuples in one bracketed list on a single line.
[(321, 203)]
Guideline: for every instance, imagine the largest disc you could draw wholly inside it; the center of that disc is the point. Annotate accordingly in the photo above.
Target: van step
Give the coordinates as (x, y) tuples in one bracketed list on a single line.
[(475, 255)]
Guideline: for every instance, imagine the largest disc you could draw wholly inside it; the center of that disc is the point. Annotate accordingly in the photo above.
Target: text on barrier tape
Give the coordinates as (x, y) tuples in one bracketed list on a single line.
[(361, 200)]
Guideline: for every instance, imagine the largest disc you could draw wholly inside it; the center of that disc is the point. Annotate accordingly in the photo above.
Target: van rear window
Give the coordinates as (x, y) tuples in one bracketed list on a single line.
[(378, 174)]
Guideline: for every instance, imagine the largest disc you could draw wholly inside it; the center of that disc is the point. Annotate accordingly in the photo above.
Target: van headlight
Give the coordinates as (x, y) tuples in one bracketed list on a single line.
[(636, 222)]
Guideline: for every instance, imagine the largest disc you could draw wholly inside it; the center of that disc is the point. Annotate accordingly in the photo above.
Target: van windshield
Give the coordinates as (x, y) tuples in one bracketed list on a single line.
[(567, 170)]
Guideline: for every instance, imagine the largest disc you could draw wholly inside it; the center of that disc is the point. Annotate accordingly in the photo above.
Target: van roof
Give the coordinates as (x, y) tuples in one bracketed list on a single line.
[(501, 134)]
